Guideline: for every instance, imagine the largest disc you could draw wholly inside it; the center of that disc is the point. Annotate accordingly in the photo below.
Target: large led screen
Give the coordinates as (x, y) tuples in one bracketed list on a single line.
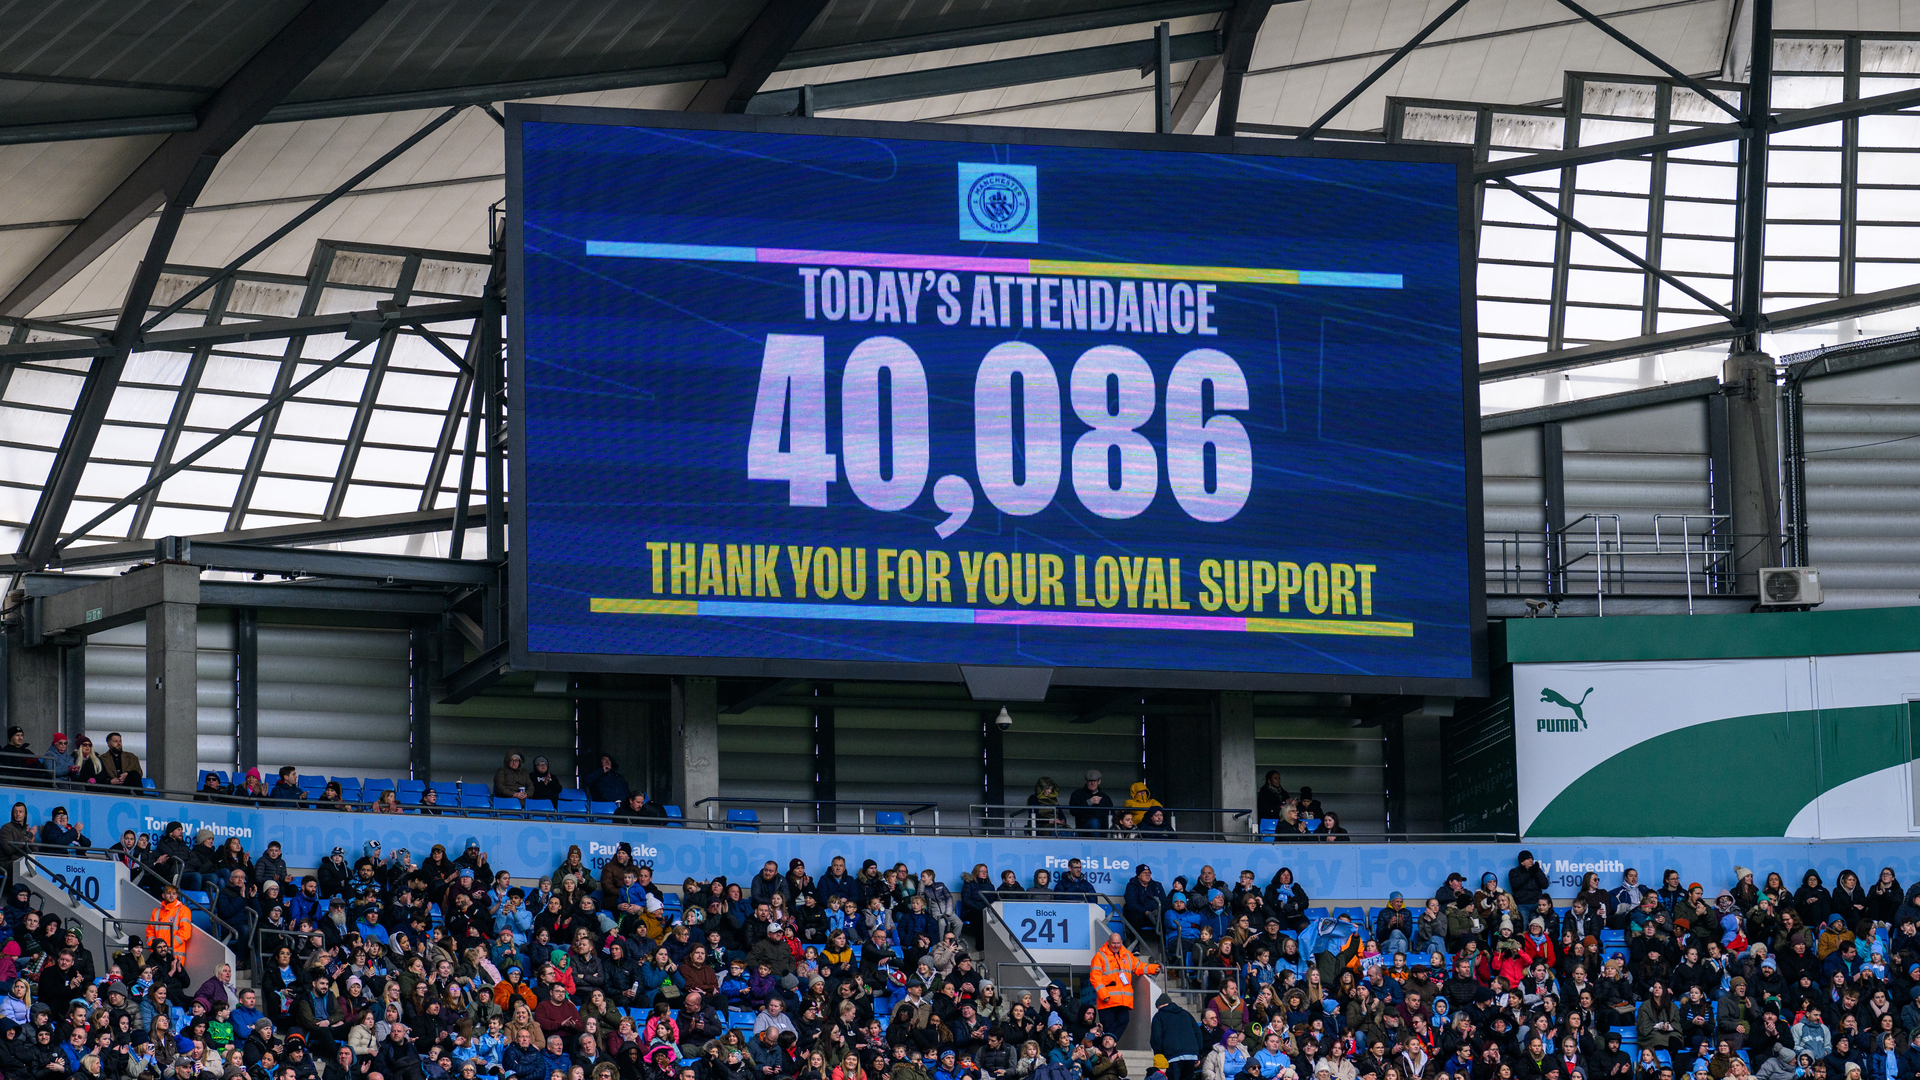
[(804, 396)]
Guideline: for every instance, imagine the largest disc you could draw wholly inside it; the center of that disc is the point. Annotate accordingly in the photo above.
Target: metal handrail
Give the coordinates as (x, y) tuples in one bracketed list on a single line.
[(787, 805), (1004, 818)]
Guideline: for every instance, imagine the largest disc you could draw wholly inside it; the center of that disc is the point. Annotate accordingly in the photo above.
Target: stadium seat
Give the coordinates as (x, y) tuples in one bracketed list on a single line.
[(476, 787), (1269, 827), (147, 782), (476, 802), (407, 798), (675, 819), (446, 788), (572, 805), (890, 821), (507, 802), (415, 786), (373, 788), (1358, 915), (573, 793), (604, 809), (1318, 913), (743, 819)]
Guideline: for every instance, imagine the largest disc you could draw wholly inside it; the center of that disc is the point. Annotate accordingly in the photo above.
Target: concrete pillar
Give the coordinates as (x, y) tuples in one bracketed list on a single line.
[(32, 690), (173, 688), (695, 743), (1754, 455), (1233, 771)]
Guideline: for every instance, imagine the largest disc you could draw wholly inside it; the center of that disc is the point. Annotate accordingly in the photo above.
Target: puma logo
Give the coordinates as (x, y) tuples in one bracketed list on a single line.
[(1550, 695)]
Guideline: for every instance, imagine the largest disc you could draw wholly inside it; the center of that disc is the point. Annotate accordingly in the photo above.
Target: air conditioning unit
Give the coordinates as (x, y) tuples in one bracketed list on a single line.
[(1790, 586)]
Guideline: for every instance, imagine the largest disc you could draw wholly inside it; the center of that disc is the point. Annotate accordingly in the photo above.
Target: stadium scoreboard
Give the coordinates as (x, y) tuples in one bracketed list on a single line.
[(843, 398)]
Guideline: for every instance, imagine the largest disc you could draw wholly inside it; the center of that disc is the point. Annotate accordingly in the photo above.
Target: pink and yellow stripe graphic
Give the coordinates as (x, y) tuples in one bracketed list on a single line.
[(983, 264), (1104, 620)]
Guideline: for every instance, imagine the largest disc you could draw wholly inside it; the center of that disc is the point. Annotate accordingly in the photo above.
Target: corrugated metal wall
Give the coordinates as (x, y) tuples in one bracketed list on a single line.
[(471, 740), (333, 700), (1043, 745), (889, 754), (1513, 501), (1638, 465), (117, 689), (1344, 765), (765, 753), (1863, 485)]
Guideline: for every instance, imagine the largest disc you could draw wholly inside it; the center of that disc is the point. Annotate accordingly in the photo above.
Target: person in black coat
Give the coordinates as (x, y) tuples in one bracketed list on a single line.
[(1175, 1037), (1526, 881), (1287, 900)]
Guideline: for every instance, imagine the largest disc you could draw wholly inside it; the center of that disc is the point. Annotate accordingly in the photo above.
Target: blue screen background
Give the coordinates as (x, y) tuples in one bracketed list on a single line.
[(637, 383)]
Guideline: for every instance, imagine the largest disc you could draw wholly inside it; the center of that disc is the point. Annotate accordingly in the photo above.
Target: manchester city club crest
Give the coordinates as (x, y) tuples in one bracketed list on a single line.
[(999, 202)]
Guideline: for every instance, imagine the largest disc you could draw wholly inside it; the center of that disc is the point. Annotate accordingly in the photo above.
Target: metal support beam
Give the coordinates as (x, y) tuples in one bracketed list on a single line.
[(1553, 503), (246, 685), (1644, 53), (1218, 78), (369, 395), (173, 692), (317, 562), (310, 532), (987, 75), (304, 216), (116, 601), (177, 419), (169, 172), (1163, 79), (767, 41), (1386, 65), (475, 675), (205, 448), (1611, 245), (1750, 238)]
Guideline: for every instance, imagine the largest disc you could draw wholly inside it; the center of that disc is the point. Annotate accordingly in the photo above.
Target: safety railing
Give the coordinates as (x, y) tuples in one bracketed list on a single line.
[(826, 813), (1684, 556), (1022, 819), (267, 942)]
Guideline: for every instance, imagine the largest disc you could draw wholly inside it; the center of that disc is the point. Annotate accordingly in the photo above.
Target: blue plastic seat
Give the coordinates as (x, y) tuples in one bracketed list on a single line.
[(147, 782), (373, 788), (506, 802), (448, 789), (743, 819), (407, 798), (1269, 827), (415, 786), (602, 808), (675, 819), (573, 793), (476, 802), (1358, 915), (572, 806), (475, 787), (890, 821), (1318, 913)]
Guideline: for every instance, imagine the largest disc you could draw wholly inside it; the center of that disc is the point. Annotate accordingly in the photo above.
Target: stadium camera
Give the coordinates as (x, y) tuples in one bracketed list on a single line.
[(1004, 720)]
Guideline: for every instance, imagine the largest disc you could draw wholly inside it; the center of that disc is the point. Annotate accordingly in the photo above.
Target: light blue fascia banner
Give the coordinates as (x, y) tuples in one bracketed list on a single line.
[(1327, 871)]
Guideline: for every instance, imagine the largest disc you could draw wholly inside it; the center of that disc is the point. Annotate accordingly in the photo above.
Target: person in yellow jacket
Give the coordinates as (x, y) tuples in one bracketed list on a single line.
[(1140, 798), (1114, 972), (173, 921)]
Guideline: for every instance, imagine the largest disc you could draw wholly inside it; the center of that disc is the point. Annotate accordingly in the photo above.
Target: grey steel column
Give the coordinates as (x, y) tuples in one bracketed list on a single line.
[(173, 686)]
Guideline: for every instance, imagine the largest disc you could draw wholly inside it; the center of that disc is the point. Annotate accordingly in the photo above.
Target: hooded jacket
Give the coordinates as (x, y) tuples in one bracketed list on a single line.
[(607, 785), (507, 780)]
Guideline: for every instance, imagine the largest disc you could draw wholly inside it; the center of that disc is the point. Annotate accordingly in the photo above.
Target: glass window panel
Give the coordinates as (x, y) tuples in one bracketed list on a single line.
[(1589, 251), (181, 521), (1502, 205), (341, 384), (1671, 297), (256, 520), (365, 268), (1700, 181), (1699, 219), (18, 503), (1803, 240), (1626, 175), (1878, 85), (106, 480), (1598, 132), (1720, 289), (10, 539), (403, 429), (303, 458), (315, 420), (413, 351), (230, 454), (469, 278), (1530, 132), (267, 299), (1889, 56), (1530, 245), (1611, 211), (333, 301), (219, 411), (1885, 205), (1821, 203), (240, 374), (1725, 153), (141, 406), (1495, 318), (32, 425), (1898, 129), (416, 391), (1808, 54), (366, 500), (328, 346), (1602, 287), (1803, 167), (1890, 169), (80, 513), (201, 488), (1497, 279), (1872, 277), (1490, 349), (1689, 107), (24, 466), (1600, 324), (1806, 91), (1822, 135), (1801, 277), (290, 496), (392, 466), (1617, 99), (162, 368), (127, 443), (34, 386), (1887, 241)]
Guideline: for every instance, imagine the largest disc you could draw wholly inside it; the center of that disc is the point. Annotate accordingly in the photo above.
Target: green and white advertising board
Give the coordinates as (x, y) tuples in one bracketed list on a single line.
[(1802, 724)]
